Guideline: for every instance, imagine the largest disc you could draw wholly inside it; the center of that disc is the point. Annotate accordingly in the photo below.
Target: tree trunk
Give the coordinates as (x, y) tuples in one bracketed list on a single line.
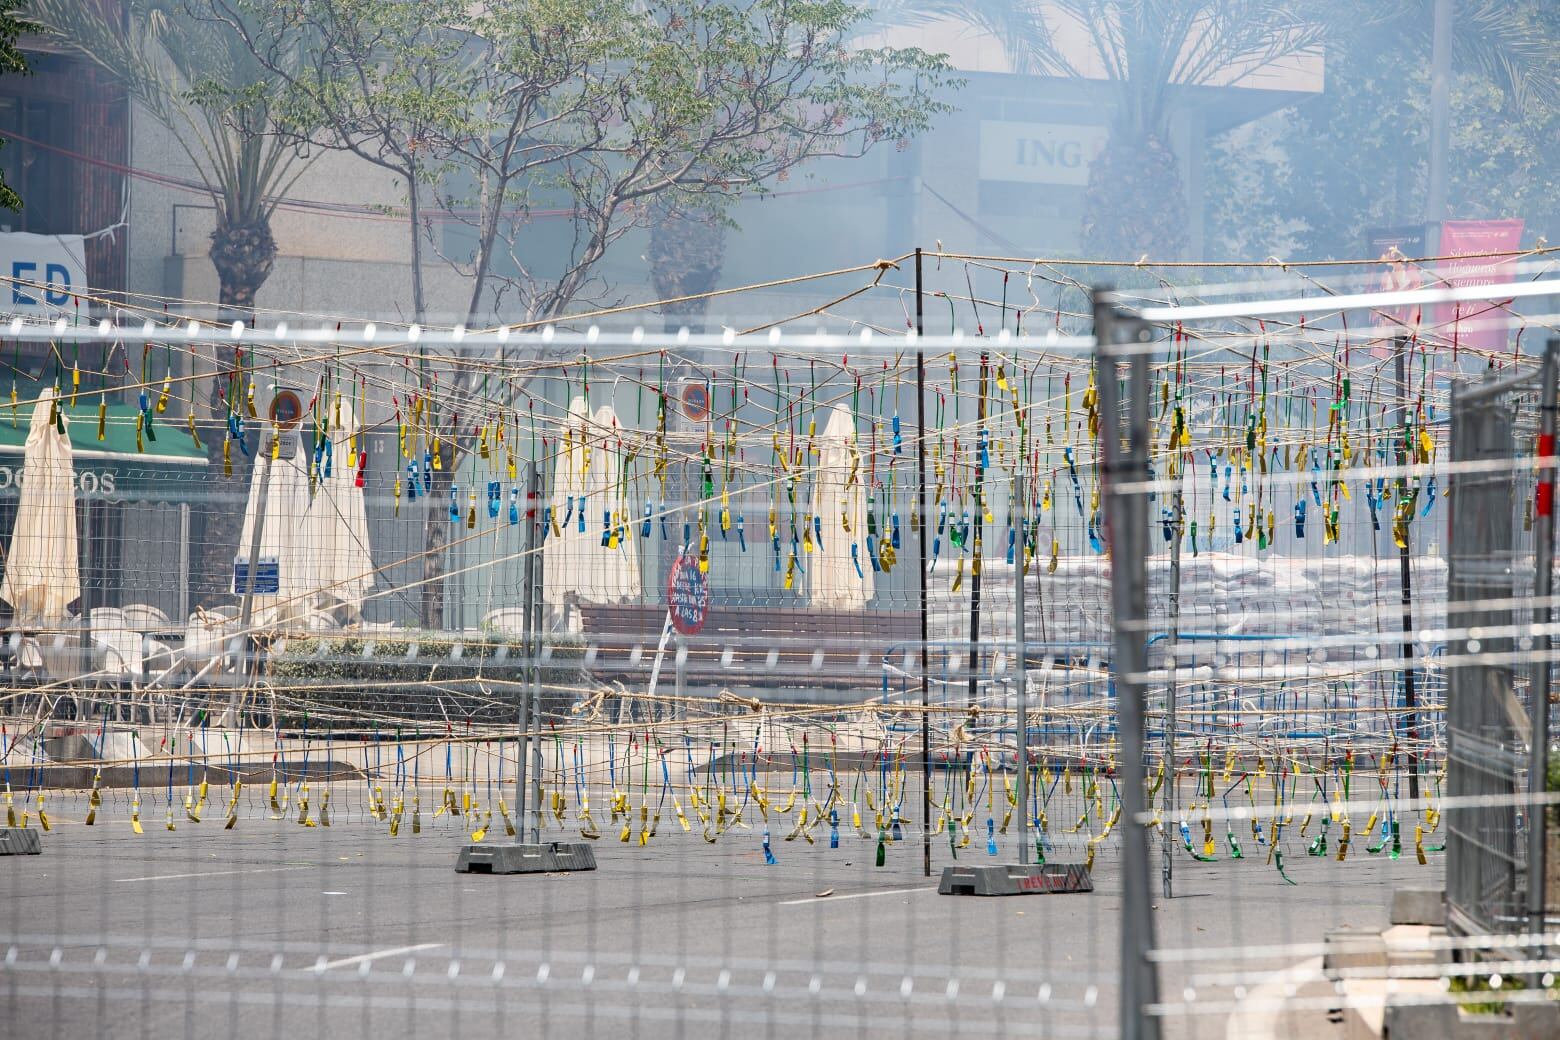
[(243, 257), (414, 207), (1135, 204), (686, 251)]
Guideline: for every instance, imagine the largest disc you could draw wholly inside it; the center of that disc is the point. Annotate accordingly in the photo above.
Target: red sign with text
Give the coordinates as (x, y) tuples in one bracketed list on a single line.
[(1480, 252)]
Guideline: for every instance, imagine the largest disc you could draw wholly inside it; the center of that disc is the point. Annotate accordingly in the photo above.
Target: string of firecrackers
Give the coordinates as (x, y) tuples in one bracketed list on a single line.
[(961, 469), (976, 787), (406, 354), (968, 460)]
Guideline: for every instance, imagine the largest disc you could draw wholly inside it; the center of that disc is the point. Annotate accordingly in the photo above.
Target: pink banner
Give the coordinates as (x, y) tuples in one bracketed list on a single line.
[(1477, 325)]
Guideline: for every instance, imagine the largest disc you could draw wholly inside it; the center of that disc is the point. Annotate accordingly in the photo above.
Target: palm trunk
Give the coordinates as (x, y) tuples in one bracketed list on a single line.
[(1135, 204), (243, 257)]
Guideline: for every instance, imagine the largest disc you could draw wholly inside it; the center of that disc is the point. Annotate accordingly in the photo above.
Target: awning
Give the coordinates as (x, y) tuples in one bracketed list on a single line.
[(168, 467)]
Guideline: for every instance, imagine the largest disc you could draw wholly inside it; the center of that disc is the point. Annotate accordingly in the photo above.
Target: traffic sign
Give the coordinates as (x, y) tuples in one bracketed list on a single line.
[(696, 401)]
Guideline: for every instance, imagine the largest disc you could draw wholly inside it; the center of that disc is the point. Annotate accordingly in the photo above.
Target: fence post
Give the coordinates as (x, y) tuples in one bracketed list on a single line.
[(1483, 757), (1543, 589), (1124, 476), (523, 719), (1020, 637), (926, 518)]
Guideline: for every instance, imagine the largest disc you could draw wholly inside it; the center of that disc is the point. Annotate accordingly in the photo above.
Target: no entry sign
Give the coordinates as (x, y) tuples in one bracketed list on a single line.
[(687, 595)]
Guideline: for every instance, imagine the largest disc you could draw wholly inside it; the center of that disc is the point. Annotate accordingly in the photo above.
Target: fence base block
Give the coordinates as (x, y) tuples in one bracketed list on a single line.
[(1015, 880), (1419, 906), (19, 841), (549, 857)]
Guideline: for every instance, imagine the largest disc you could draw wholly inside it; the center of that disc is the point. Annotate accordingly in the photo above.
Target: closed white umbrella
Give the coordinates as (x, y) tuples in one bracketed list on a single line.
[(585, 489), (839, 501), (565, 551), (319, 535), (282, 533), (333, 534), (615, 571), (42, 572)]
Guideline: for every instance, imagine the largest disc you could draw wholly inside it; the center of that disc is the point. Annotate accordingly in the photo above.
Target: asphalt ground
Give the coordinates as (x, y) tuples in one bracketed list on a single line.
[(277, 930)]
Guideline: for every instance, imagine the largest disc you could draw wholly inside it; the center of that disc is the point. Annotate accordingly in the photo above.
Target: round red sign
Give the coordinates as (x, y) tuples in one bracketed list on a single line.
[(696, 402), (687, 595)]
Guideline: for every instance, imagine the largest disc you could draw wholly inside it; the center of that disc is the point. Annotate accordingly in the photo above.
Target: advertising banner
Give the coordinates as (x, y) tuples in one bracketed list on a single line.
[(1478, 325)]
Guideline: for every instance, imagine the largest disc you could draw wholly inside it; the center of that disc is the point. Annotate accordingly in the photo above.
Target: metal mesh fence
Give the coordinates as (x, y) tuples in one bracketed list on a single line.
[(1297, 745), (662, 597)]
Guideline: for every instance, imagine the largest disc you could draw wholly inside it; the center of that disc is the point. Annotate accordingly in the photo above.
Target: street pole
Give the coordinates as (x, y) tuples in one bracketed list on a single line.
[(980, 529), (1126, 521), (926, 518), (1440, 109), (534, 626), (1166, 859)]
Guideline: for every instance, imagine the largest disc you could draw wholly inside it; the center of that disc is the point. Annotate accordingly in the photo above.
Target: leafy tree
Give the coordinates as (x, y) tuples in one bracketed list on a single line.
[(379, 80), (14, 61), (613, 110), (1309, 180), (687, 240), (706, 101), (197, 78)]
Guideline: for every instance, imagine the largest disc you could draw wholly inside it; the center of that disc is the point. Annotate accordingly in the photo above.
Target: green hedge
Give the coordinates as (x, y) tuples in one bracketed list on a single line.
[(315, 670)]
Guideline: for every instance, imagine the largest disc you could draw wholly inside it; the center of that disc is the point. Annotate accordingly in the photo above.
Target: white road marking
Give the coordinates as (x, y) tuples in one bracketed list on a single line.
[(215, 873), (364, 958), (853, 895)]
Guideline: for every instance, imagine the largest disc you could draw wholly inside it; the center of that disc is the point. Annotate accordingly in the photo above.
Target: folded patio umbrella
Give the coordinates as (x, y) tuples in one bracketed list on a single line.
[(42, 570)]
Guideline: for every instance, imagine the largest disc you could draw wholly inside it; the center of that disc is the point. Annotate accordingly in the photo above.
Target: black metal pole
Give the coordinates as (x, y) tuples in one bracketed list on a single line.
[(980, 530), (920, 453), (1405, 572), (523, 720)]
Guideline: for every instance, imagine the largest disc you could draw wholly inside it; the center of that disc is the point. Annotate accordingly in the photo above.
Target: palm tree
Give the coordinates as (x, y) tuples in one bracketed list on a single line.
[(1507, 42), (194, 74), (687, 248), (1153, 50)]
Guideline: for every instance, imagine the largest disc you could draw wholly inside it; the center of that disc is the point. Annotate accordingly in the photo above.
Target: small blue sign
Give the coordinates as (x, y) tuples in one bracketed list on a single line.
[(268, 576)]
